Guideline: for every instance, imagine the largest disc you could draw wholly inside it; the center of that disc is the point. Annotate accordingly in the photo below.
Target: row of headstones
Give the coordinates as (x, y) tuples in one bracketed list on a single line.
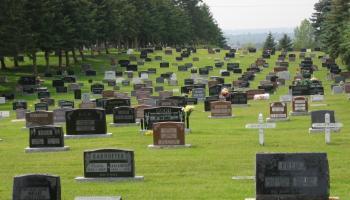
[(302, 176)]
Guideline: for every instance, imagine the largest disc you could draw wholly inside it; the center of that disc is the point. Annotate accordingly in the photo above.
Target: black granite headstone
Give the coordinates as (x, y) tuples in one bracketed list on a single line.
[(124, 115), (46, 136), (86, 121), (162, 114), (109, 163), (292, 176), (36, 186)]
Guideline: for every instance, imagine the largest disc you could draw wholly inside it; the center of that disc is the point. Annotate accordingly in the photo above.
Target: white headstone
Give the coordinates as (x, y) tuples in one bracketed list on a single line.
[(144, 76), (130, 51), (284, 75), (2, 100), (4, 114), (317, 98), (85, 97), (136, 80), (109, 75), (286, 98)]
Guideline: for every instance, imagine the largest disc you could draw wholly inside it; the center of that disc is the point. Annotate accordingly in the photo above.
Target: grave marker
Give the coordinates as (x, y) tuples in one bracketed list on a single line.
[(261, 126)]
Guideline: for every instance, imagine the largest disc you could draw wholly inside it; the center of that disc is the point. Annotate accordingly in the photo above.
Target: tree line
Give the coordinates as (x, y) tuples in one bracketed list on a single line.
[(67, 27), (331, 22)]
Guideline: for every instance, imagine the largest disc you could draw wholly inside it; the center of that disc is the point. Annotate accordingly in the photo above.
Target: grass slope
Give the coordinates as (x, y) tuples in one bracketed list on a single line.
[(222, 148)]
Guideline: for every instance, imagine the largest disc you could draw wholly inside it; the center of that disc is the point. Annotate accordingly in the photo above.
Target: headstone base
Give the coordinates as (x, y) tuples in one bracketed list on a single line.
[(121, 179), (277, 119), (243, 178), (318, 130), (126, 124), (318, 105), (240, 105), (88, 136), (298, 113), (18, 120), (223, 117), (98, 198), (330, 198), (187, 131), (151, 146), (48, 149)]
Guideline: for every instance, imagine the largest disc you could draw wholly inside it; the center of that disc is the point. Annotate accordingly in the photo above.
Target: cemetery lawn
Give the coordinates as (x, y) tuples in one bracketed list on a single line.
[(222, 148)]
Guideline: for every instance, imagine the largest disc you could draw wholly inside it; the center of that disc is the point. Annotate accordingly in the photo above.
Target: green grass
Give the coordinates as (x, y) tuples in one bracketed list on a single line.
[(222, 148)]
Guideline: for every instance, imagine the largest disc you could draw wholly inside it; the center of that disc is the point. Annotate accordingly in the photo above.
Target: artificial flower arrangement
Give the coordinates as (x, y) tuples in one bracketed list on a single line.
[(188, 110)]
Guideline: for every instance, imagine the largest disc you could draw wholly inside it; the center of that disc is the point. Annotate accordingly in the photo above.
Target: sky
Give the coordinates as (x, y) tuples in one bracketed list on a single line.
[(260, 14)]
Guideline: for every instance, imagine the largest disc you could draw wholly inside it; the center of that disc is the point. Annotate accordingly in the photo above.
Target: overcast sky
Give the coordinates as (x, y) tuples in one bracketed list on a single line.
[(256, 14)]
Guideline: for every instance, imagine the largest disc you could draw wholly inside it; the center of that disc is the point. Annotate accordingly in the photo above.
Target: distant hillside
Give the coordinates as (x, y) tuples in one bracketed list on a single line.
[(256, 37)]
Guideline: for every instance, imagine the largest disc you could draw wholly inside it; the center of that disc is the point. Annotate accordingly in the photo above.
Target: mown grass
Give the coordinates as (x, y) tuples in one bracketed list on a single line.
[(222, 148)]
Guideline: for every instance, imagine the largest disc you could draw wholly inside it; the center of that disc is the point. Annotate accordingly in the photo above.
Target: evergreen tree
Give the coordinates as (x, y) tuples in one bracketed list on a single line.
[(285, 42), (322, 8), (270, 43)]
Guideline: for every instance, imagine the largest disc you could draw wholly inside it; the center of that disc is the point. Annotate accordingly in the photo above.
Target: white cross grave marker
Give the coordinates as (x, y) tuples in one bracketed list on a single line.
[(261, 126), (327, 126)]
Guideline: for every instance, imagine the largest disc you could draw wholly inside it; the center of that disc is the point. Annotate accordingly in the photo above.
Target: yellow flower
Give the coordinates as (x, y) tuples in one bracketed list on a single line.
[(189, 109), (149, 133)]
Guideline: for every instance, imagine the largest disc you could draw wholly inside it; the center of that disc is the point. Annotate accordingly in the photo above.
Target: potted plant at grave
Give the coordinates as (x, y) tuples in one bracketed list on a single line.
[(188, 110)]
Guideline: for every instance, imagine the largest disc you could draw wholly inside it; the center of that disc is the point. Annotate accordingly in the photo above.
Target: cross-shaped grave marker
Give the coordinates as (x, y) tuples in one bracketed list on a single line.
[(327, 126), (261, 126)]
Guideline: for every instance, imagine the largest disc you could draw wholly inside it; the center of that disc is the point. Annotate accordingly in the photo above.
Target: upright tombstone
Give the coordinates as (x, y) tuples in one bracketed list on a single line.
[(207, 102), (278, 112), (36, 186), (199, 93), (261, 126), (300, 106), (162, 114), (220, 109), (21, 114), (82, 123), (318, 117), (110, 104), (239, 99), (291, 176), (59, 115), (169, 135), (39, 118), (45, 139), (41, 107), (109, 165), (124, 116)]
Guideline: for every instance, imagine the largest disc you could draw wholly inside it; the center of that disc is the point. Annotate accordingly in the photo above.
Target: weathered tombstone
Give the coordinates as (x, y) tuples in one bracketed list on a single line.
[(278, 112), (124, 116), (221, 109), (162, 114), (169, 135), (109, 75), (302, 176), (36, 186), (59, 115), (2, 100), (39, 118), (41, 107), (4, 114), (21, 113), (139, 110), (199, 93), (318, 117), (261, 126), (337, 89), (300, 106), (86, 123), (109, 165), (46, 138)]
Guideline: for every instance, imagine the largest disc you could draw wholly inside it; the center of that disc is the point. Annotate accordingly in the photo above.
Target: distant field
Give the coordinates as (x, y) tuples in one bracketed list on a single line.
[(222, 148)]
